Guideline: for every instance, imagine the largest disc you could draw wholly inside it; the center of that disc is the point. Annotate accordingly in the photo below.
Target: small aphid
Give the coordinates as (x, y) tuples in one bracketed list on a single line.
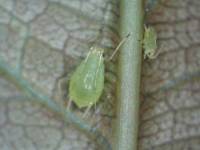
[(87, 82), (149, 43)]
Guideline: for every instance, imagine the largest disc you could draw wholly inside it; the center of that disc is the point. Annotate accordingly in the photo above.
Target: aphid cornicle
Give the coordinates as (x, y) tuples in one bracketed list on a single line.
[(87, 82)]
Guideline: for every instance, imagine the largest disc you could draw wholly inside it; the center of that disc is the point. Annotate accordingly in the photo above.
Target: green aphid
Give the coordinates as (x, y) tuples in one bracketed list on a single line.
[(149, 43), (87, 82)]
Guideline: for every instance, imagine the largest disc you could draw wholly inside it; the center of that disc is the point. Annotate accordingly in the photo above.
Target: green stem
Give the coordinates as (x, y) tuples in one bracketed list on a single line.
[(129, 75)]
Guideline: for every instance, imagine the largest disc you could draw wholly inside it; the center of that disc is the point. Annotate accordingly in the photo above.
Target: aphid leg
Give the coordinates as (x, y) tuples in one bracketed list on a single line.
[(86, 111), (119, 45), (69, 104), (154, 55)]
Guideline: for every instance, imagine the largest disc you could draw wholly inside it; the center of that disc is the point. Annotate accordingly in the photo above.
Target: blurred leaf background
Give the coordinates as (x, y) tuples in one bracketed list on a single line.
[(42, 41)]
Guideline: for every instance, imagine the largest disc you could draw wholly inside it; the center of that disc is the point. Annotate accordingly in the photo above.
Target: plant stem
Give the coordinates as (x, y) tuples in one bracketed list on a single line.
[(129, 75)]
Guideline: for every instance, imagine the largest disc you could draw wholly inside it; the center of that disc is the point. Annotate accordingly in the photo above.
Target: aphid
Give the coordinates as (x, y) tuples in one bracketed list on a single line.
[(149, 43), (87, 82)]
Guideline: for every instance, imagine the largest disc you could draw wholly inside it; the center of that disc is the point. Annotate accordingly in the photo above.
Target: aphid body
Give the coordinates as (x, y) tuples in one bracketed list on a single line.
[(149, 43), (87, 82)]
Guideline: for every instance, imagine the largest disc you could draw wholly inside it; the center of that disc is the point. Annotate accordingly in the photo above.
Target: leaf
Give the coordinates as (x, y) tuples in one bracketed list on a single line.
[(43, 40), (40, 41), (170, 107)]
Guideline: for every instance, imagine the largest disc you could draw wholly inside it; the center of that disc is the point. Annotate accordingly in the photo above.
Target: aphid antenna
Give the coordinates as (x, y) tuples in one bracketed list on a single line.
[(118, 46), (87, 56)]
